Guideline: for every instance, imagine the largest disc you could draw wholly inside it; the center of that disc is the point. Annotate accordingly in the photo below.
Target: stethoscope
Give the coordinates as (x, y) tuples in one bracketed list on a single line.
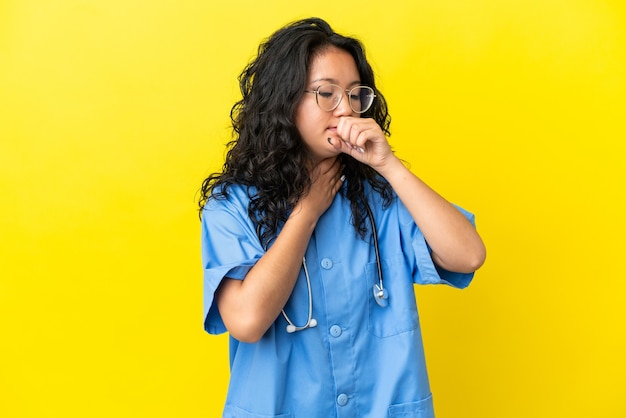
[(380, 293)]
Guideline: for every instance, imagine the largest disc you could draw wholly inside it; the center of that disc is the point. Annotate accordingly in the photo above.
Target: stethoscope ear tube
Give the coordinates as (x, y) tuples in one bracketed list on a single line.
[(380, 293)]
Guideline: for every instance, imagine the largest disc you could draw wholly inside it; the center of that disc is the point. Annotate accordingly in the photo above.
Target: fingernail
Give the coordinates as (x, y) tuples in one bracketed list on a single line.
[(361, 150)]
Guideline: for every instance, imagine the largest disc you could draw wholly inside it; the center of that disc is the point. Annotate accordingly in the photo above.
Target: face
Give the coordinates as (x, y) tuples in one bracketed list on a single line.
[(315, 125)]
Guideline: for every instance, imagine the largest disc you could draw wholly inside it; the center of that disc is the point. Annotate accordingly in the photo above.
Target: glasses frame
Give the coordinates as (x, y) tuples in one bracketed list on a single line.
[(347, 91)]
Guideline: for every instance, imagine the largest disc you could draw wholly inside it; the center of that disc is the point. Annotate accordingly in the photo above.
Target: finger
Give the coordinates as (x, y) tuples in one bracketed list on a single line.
[(344, 146), (354, 147), (351, 130), (364, 136), (350, 144), (333, 177), (344, 127), (338, 184)]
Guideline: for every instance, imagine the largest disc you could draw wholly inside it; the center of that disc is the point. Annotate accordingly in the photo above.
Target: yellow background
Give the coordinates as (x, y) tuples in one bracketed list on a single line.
[(112, 112)]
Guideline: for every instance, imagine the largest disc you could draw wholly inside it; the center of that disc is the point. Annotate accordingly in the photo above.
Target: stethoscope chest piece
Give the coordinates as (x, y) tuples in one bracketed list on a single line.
[(380, 295)]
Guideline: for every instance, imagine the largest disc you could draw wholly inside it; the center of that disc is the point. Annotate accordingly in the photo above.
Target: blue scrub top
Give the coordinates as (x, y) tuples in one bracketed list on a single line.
[(362, 360)]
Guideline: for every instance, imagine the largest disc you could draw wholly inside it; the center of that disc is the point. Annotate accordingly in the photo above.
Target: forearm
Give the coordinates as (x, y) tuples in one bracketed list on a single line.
[(455, 244), (248, 307)]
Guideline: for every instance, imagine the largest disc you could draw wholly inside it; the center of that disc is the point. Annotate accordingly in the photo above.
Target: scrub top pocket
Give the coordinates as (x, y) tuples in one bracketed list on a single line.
[(234, 412), (420, 409), (400, 315)]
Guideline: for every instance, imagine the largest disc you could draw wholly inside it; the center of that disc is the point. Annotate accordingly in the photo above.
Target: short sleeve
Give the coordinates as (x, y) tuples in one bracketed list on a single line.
[(230, 248), (426, 272)]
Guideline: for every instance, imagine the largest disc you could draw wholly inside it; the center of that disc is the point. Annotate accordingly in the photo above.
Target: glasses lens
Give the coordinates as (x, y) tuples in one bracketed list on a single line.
[(328, 96), (361, 98)]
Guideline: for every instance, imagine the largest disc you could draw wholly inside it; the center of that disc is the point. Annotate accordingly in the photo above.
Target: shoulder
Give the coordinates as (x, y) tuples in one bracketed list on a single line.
[(233, 205), (233, 195), (226, 217)]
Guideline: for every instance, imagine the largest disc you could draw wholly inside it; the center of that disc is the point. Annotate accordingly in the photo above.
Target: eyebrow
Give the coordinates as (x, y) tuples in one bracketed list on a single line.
[(334, 81)]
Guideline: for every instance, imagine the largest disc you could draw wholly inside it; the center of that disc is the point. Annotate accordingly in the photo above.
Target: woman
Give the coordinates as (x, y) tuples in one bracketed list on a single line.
[(313, 236)]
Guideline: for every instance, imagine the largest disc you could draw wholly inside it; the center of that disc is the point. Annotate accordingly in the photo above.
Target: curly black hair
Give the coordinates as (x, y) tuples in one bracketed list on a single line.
[(267, 153)]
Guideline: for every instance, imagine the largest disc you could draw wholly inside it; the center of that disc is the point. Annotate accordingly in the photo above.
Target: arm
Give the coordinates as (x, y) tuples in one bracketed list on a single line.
[(248, 307), (455, 244)]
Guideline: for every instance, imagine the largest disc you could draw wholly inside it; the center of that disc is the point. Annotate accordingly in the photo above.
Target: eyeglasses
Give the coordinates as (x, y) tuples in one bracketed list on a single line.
[(328, 97)]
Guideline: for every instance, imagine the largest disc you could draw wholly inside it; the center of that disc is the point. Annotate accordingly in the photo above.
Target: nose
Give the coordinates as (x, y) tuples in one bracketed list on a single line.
[(344, 109)]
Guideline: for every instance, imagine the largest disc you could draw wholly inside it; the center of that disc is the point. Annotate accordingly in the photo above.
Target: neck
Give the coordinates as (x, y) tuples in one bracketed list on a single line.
[(314, 161)]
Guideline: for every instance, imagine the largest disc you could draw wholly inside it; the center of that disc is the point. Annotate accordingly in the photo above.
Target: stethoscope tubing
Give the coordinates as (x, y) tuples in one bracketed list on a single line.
[(380, 293)]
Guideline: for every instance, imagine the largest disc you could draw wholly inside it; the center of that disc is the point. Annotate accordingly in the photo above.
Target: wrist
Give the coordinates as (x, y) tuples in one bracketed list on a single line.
[(302, 219), (391, 168)]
